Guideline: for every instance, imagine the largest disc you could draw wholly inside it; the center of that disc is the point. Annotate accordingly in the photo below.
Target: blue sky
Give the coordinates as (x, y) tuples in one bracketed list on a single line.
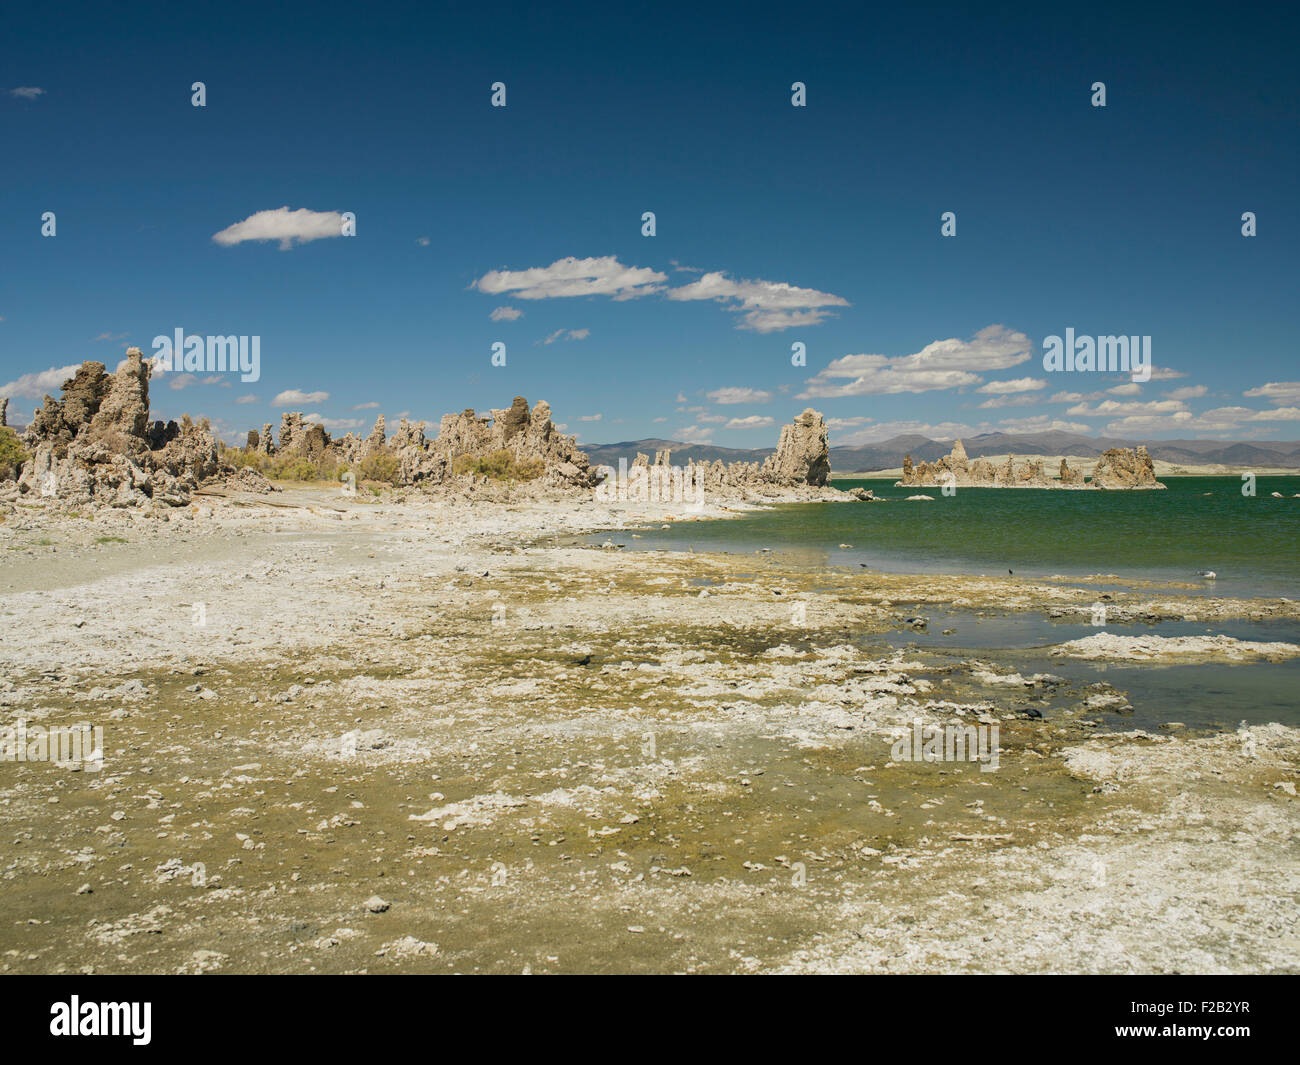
[(775, 224)]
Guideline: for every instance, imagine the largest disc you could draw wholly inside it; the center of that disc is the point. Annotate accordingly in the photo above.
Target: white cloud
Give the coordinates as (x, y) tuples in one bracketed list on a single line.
[(36, 385), (887, 430), (657, 420), (181, 380), (681, 397), (1042, 423), (334, 424), (1187, 392), (590, 417), (506, 314), (1006, 388), (847, 423), (765, 306), (694, 434), (1219, 421), (737, 395), (940, 365), (1130, 389), (372, 405), (27, 92), (1116, 406), (605, 276), (246, 399), (754, 421), (104, 336), (1009, 401), (295, 396), (567, 334), (711, 419), (424, 242), (1160, 373), (1276, 392), (283, 225)]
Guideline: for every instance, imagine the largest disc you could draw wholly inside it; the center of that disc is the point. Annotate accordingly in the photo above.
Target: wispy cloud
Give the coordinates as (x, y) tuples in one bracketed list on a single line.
[(764, 306), (566, 334), (334, 424), (874, 434), (506, 314), (604, 276), (295, 396), (754, 421), (1276, 392), (246, 399), (1006, 388), (36, 385), (27, 92), (590, 417), (372, 405), (1117, 406), (1042, 423), (1221, 421), (283, 225), (943, 364), (726, 396), (1025, 400), (694, 434)]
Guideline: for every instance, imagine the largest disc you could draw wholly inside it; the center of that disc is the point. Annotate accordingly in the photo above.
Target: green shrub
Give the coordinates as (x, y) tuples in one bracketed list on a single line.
[(499, 466), (12, 454), (284, 467), (382, 467)]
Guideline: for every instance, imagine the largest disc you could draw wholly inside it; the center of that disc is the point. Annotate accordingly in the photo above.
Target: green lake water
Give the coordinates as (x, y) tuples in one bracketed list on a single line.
[(1197, 523)]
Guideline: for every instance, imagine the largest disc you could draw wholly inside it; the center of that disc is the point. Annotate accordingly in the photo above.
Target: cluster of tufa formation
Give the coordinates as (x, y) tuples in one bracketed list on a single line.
[(1117, 468), (97, 447), (801, 460), (518, 438), (1122, 467)]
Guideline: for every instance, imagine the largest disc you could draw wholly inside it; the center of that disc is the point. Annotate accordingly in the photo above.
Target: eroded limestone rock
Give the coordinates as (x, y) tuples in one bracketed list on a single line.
[(96, 445), (1121, 467)]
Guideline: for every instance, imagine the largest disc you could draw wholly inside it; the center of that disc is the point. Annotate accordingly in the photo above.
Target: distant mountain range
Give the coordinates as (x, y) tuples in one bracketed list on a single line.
[(889, 454)]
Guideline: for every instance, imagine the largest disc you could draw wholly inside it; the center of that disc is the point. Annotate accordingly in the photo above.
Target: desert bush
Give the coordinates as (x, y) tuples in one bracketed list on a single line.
[(499, 466), (382, 467), (12, 454), (293, 467)]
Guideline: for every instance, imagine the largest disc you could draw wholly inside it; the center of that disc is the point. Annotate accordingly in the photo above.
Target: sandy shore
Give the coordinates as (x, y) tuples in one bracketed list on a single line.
[(434, 736)]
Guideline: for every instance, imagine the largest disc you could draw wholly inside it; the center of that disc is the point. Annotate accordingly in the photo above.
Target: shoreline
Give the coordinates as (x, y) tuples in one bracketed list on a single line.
[(529, 750)]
